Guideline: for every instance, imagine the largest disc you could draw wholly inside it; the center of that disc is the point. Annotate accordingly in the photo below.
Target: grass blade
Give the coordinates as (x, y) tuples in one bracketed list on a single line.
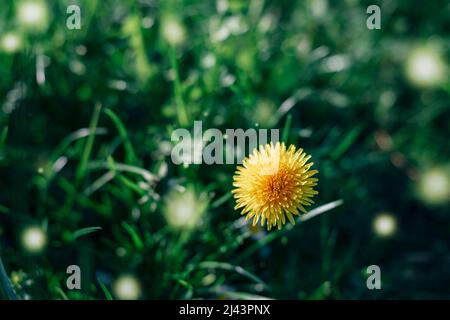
[(217, 203), (230, 267), (137, 241), (62, 293), (74, 136), (5, 284), (82, 232), (99, 183), (242, 295), (3, 136), (147, 175), (275, 235), (105, 290), (183, 117), (130, 155), (346, 143), (286, 129), (89, 144)]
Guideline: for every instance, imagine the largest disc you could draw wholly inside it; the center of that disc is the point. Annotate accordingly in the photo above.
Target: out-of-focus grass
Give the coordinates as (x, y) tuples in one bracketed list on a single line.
[(85, 151)]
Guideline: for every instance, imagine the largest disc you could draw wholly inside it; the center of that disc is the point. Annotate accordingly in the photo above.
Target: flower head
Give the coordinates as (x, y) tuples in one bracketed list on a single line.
[(273, 183)]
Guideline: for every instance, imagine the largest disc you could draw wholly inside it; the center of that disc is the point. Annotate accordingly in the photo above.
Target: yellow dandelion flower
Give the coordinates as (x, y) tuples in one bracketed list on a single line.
[(274, 183)]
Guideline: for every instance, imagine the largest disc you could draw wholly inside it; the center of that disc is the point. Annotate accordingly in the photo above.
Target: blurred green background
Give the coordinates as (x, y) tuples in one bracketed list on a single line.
[(86, 118)]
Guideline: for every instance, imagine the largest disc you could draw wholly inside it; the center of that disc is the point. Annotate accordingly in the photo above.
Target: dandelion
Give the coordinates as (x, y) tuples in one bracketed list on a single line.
[(274, 183)]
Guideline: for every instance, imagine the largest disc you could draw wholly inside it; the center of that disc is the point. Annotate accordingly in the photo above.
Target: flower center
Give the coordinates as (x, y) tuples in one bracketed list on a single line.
[(279, 185)]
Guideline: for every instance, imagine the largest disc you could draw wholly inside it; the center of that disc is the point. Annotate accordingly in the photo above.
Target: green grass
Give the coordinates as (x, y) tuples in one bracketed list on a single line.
[(86, 153)]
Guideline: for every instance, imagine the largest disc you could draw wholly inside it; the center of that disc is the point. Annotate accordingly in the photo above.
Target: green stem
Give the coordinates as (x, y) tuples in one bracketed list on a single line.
[(183, 118), (81, 170), (130, 155), (286, 129), (89, 145)]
